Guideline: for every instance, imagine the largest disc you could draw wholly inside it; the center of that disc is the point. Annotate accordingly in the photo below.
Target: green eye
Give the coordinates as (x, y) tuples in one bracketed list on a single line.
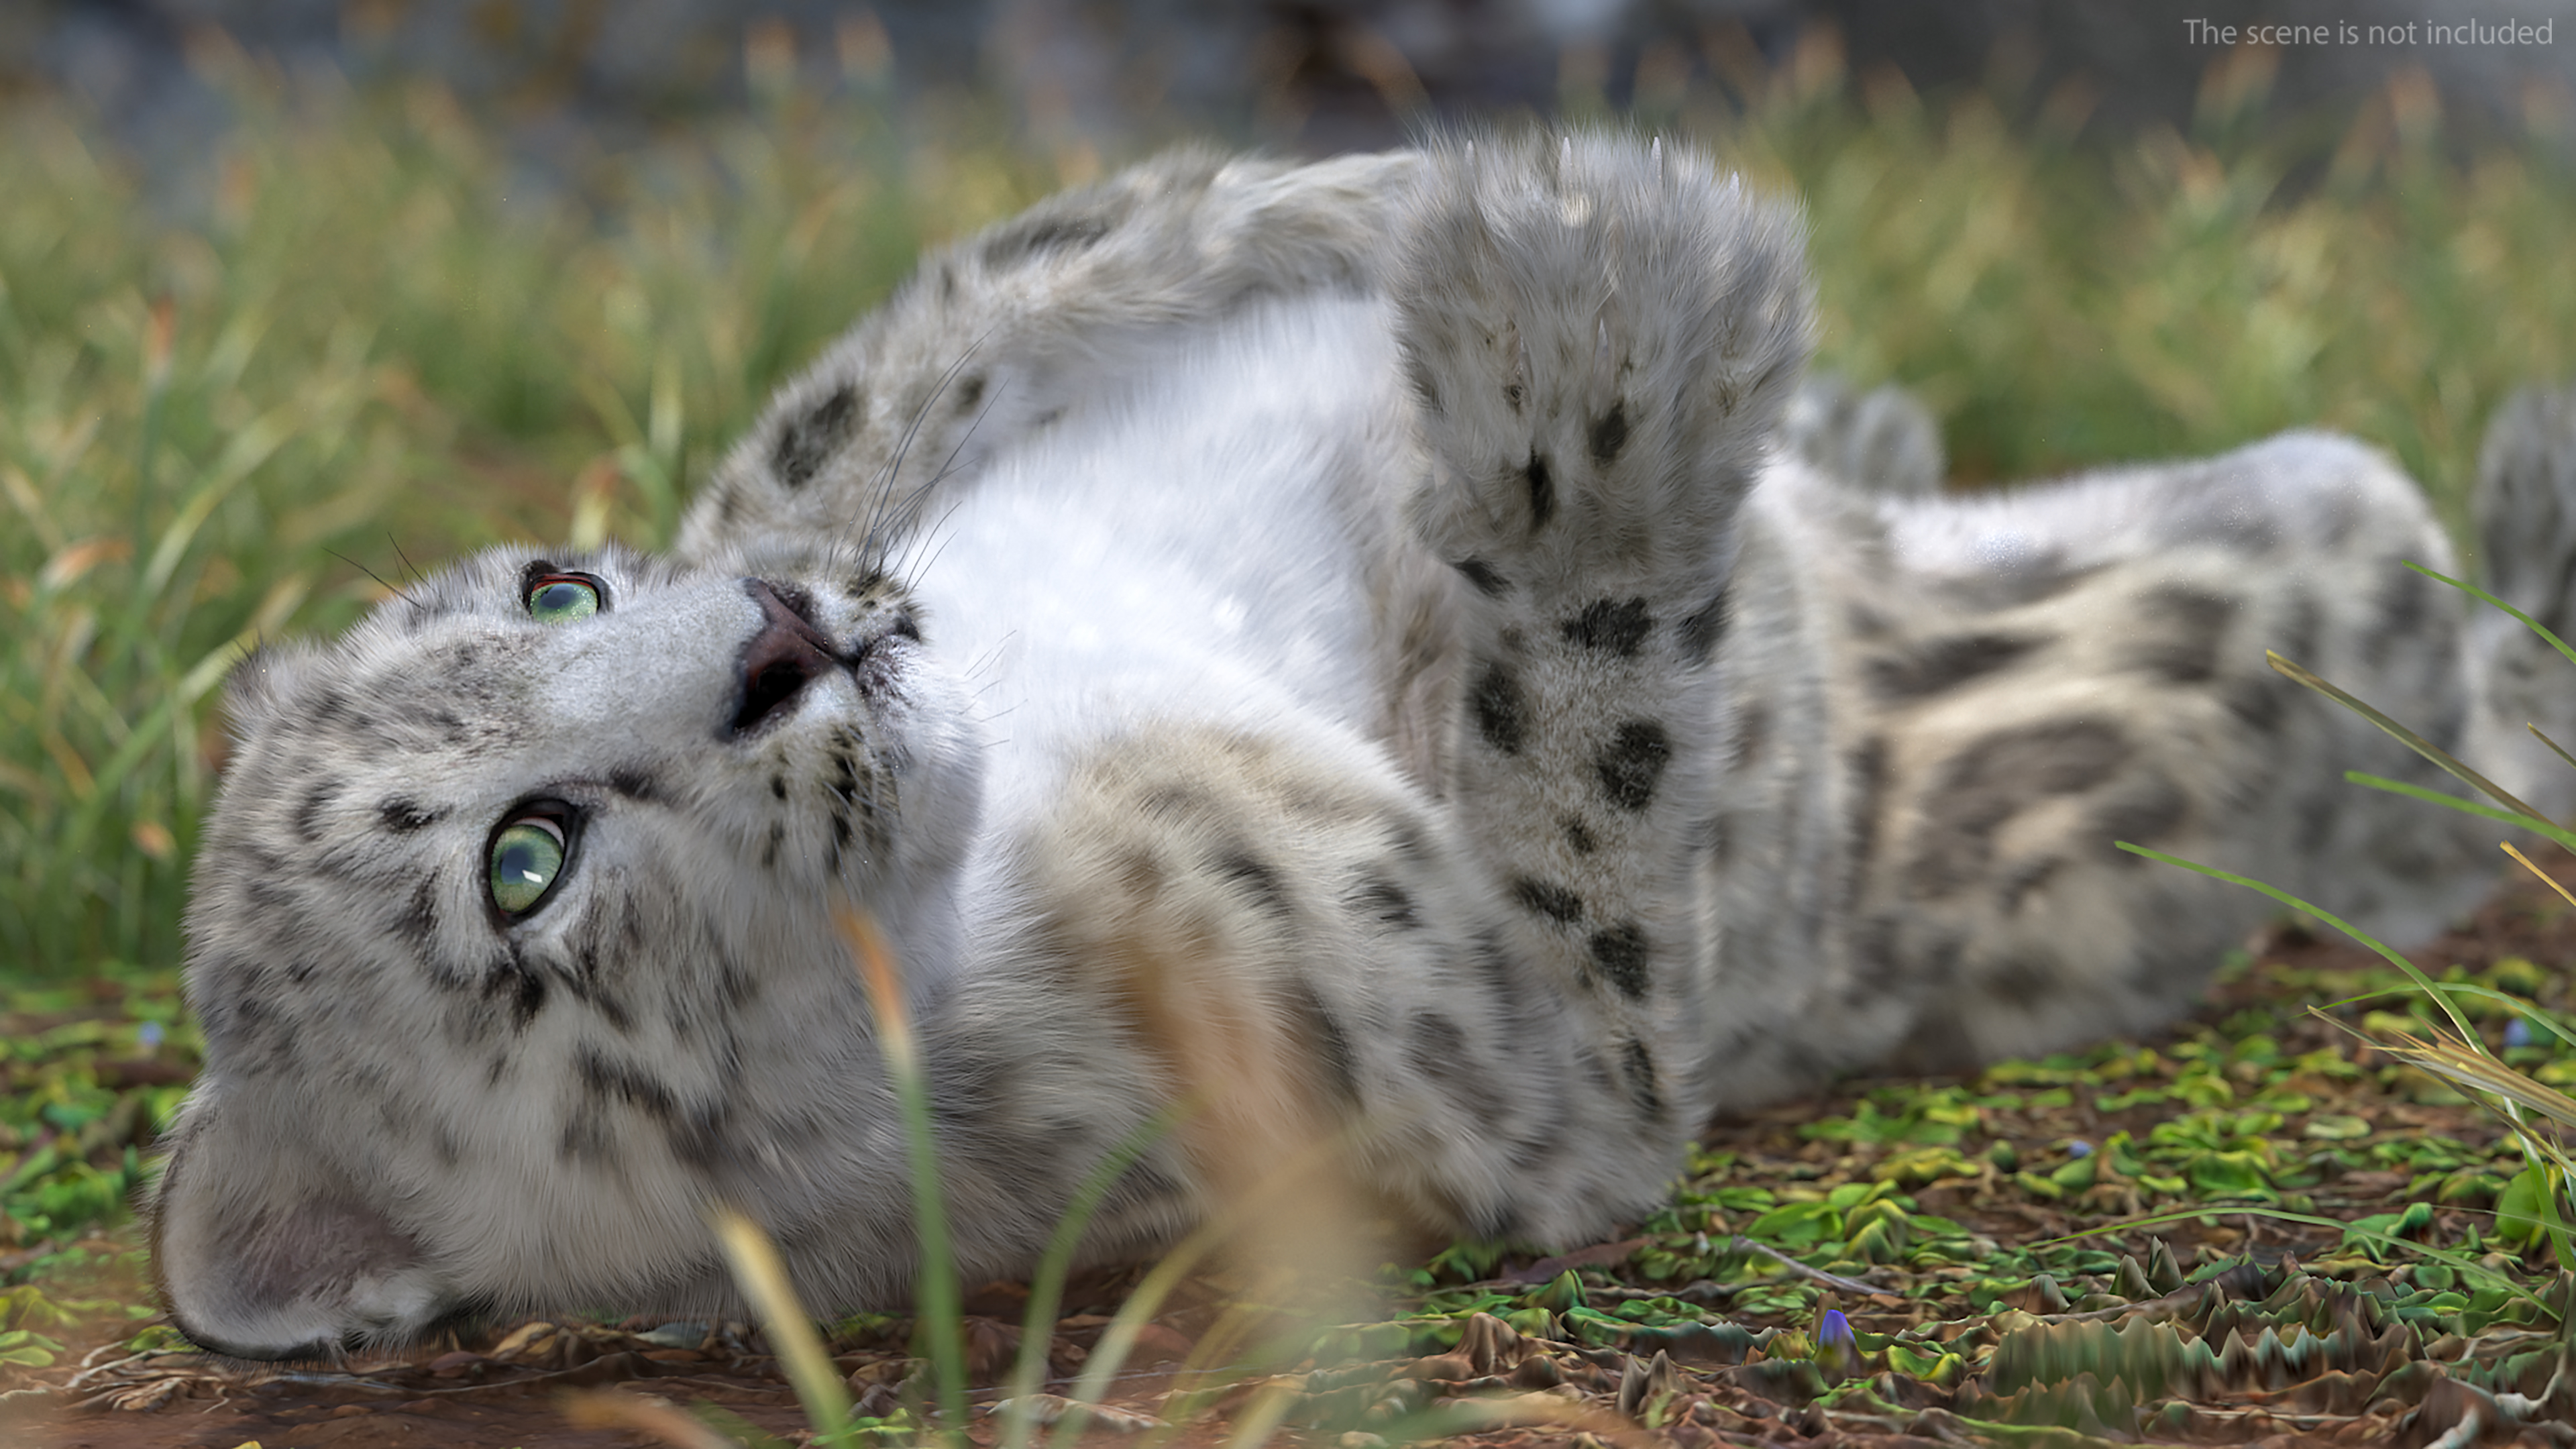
[(562, 598), (526, 857)]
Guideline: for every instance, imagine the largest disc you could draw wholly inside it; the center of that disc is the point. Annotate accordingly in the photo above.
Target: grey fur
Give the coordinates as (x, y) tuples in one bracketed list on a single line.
[(1883, 441)]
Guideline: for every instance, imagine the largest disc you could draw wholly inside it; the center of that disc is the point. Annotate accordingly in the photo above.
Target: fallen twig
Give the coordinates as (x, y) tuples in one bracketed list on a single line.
[(1744, 1244)]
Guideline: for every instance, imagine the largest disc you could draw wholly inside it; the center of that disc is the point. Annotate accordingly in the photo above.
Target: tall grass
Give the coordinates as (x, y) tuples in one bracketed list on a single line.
[(226, 416), (366, 334), (2060, 306)]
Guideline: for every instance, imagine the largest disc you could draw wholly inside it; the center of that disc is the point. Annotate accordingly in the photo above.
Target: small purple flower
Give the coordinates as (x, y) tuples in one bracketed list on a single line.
[(1836, 1350), (1834, 1331), (150, 1036), (2517, 1033), (2079, 1148)]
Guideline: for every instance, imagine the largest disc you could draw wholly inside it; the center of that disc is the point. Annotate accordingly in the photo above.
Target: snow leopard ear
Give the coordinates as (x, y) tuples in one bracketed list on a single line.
[(267, 676), (255, 1257)]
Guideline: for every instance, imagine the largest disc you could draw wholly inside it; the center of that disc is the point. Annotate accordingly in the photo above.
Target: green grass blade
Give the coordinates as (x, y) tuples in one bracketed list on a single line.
[(2548, 828), (2554, 749), (2529, 1010), (1119, 1338), (153, 730), (250, 447), (2549, 1184), (1046, 1286), (2528, 622), (942, 1312), (2406, 737), (2427, 984)]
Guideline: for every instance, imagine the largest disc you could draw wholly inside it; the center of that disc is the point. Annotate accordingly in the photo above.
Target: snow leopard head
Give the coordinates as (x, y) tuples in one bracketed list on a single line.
[(511, 905)]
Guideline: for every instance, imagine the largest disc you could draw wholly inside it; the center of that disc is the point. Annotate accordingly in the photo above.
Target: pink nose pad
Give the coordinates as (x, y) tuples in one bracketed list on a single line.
[(778, 661)]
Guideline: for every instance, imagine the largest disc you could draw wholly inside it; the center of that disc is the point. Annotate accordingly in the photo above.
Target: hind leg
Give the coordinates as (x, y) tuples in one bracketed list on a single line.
[(2083, 664)]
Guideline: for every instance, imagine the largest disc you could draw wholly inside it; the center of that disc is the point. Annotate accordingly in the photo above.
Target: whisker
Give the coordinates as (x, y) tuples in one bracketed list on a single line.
[(408, 566), (946, 469), (991, 658), (912, 574), (875, 512), (390, 588), (948, 465)]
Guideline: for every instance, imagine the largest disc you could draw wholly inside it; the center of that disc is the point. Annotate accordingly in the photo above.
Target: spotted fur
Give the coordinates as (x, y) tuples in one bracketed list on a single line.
[(1353, 649)]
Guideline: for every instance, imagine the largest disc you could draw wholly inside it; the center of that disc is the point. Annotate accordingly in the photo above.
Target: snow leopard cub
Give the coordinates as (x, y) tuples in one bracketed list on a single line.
[(1352, 620)]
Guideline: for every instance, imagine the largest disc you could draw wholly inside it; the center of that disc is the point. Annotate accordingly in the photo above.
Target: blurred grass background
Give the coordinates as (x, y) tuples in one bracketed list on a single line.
[(368, 340)]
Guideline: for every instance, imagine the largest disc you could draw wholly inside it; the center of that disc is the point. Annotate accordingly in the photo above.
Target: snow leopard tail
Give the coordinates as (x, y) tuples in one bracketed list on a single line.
[(2524, 507)]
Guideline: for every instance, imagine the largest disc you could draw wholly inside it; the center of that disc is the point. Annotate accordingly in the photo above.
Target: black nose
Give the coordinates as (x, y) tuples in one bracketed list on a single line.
[(779, 659)]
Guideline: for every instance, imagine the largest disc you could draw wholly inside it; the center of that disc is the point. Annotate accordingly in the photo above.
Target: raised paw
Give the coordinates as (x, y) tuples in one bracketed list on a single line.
[(1600, 332)]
